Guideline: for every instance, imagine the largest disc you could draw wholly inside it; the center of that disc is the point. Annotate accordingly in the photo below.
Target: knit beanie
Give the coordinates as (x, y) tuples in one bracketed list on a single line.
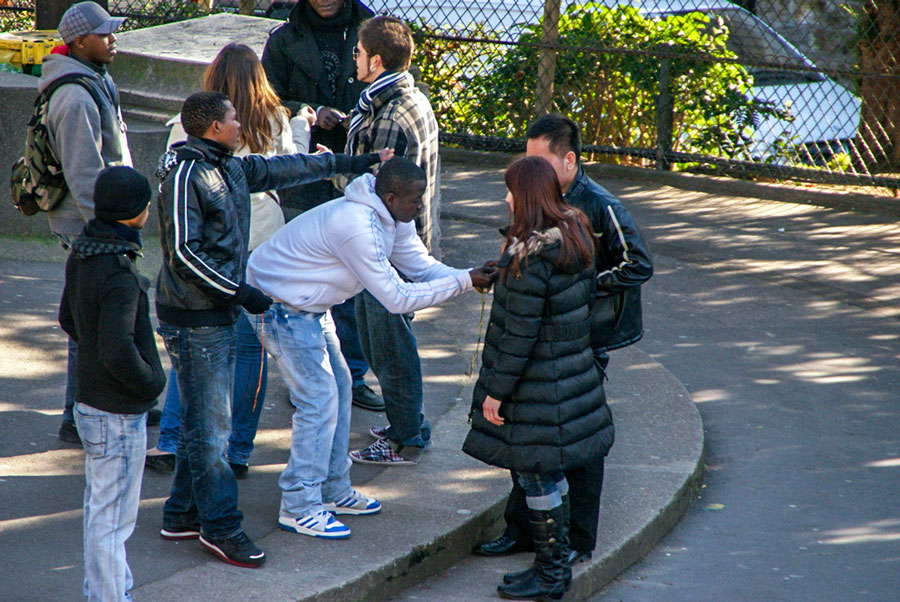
[(120, 193)]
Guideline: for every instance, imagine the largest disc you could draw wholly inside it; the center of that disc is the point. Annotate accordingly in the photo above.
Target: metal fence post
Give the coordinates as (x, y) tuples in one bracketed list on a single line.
[(47, 13), (665, 117), (543, 102)]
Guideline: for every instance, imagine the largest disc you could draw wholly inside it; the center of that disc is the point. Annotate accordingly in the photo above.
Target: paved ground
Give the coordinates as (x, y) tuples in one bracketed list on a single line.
[(434, 513), (781, 320)]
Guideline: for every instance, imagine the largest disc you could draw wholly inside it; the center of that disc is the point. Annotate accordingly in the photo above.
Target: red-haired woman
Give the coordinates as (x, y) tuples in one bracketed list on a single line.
[(539, 407)]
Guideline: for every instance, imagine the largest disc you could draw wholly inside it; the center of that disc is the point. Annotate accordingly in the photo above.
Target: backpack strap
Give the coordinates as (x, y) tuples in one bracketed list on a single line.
[(84, 81)]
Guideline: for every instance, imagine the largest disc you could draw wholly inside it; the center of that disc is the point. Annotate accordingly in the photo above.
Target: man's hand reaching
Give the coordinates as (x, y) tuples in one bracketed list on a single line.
[(483, 277)]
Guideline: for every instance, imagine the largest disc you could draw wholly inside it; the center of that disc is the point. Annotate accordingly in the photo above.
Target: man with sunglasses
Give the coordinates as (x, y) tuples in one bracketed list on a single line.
[(393, 112)]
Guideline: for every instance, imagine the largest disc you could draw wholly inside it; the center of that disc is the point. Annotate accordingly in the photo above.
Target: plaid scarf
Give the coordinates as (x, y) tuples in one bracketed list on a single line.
[(364, 106)]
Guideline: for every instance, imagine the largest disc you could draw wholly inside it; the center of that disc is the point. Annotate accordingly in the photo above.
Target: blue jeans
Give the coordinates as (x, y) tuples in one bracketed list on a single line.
[(390, 348), (114, 447), (543, 491), (247, 402), (71, 380), (344, 315), (308, 354), (204, 487), (65, 242)]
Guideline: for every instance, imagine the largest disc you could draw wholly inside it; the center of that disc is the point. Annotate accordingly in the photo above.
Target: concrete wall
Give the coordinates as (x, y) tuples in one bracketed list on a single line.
[(17, 93), (147, 141)]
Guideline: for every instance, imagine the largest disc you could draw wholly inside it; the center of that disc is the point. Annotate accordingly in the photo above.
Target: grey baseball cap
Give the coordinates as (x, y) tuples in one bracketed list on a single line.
[(84, 18)]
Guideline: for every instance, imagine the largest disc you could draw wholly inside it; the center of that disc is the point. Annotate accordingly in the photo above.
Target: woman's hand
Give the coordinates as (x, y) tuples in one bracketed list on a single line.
[(306, 112), (491, 410)]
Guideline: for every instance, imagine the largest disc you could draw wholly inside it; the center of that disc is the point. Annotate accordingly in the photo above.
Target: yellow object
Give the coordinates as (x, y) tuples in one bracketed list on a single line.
[(20, 48)]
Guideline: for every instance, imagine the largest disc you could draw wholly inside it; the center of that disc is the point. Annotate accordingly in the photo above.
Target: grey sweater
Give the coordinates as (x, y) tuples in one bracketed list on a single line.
[(85, 137)]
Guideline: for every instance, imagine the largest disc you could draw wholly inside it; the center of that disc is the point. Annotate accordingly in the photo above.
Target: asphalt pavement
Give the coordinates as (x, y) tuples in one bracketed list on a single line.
[(781, 321), (778, 319)]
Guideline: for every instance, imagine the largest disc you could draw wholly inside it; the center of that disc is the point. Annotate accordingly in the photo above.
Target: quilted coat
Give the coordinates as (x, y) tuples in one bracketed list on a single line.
[(538, 362)]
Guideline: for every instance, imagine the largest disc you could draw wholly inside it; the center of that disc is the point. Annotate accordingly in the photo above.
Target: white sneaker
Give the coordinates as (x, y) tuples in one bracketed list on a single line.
[(320, 524), (355, 503)]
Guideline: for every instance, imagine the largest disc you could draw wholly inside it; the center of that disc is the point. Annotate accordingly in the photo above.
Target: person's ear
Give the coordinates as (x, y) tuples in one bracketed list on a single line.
[(570, 160)]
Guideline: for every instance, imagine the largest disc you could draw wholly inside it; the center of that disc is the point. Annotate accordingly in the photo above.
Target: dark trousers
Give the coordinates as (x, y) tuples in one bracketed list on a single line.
[(585, 485)]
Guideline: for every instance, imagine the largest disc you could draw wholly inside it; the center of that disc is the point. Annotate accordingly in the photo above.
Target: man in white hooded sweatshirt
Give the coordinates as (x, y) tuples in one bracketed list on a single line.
[(320, 259)]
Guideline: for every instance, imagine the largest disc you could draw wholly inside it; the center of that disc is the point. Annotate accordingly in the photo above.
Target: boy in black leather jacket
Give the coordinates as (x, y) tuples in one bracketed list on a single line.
[(204, 216)]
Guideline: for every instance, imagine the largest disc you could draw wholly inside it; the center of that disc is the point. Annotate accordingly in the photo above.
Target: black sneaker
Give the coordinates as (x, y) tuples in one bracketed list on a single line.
[(240, 470), (367, 399), (238, 550), (161, 462), (153, 417), (68, 432), (180, 532)]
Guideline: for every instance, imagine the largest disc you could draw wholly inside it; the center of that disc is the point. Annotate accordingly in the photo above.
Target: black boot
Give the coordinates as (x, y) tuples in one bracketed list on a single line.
[(519, 575), (550, 576)]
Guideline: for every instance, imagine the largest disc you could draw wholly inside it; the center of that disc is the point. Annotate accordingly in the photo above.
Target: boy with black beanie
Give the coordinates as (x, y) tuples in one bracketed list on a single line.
[(105, 309)]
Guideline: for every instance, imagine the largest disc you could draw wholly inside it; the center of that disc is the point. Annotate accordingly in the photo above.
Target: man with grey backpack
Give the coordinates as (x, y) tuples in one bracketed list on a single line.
[(86, 133)]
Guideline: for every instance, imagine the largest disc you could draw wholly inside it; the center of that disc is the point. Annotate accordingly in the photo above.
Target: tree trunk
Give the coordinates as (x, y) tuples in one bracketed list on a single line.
[(878, 145)]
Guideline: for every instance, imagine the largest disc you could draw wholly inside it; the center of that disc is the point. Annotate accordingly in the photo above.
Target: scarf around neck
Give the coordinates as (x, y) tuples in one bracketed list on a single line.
[(364, 106)]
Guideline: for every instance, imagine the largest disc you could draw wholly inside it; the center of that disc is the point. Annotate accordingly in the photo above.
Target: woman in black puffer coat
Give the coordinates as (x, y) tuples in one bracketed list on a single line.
[(539, 407)]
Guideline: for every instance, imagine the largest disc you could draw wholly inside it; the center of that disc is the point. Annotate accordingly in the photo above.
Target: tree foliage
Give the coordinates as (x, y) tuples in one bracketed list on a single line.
[(610, 93)]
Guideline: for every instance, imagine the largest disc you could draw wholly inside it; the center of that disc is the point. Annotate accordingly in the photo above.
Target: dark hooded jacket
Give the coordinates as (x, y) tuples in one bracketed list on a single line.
[(538, 362), (105, 308), (204, 218), (294, 66)]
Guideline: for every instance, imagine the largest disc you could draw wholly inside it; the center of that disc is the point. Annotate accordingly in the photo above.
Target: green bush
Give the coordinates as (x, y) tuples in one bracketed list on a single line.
[(17, 20), (489, 89)]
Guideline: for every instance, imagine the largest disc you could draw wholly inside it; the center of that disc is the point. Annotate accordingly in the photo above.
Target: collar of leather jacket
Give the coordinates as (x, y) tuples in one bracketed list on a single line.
[(203, 148)]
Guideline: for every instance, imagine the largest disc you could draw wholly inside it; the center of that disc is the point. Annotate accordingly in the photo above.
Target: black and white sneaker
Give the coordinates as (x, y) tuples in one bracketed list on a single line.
[(238, 550), (180, 532)]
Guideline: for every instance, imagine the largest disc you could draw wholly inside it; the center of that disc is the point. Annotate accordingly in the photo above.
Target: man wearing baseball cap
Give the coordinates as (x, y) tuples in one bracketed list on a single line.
[(87, 134)]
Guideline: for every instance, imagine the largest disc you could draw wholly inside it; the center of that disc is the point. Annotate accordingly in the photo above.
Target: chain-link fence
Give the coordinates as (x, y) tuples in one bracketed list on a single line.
[(793, 89)]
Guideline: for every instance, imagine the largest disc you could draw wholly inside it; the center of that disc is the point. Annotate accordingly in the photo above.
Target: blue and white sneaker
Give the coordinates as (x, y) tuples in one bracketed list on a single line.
[(320, 524), (355, 503)]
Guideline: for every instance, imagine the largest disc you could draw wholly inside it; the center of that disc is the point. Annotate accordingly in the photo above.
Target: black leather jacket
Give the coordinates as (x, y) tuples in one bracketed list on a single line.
[(623, 264), (204, 217)]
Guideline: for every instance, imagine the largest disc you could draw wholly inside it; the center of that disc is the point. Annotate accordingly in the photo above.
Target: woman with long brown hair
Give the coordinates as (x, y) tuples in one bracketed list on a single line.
[(265, 130), (539, 407)]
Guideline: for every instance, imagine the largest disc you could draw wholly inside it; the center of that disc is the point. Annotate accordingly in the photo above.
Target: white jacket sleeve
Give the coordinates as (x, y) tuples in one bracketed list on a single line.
[(410, 257), (365, 256)]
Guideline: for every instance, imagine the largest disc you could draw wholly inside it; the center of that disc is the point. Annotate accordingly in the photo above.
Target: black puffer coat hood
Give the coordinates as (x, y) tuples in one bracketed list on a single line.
[(538, 362)]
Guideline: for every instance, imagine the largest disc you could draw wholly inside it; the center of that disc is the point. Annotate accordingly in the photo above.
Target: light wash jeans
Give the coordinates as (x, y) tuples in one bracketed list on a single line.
[(344, 315), (543, 491), (114, 448), (204, 488), (247, 402), (309, 358)]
